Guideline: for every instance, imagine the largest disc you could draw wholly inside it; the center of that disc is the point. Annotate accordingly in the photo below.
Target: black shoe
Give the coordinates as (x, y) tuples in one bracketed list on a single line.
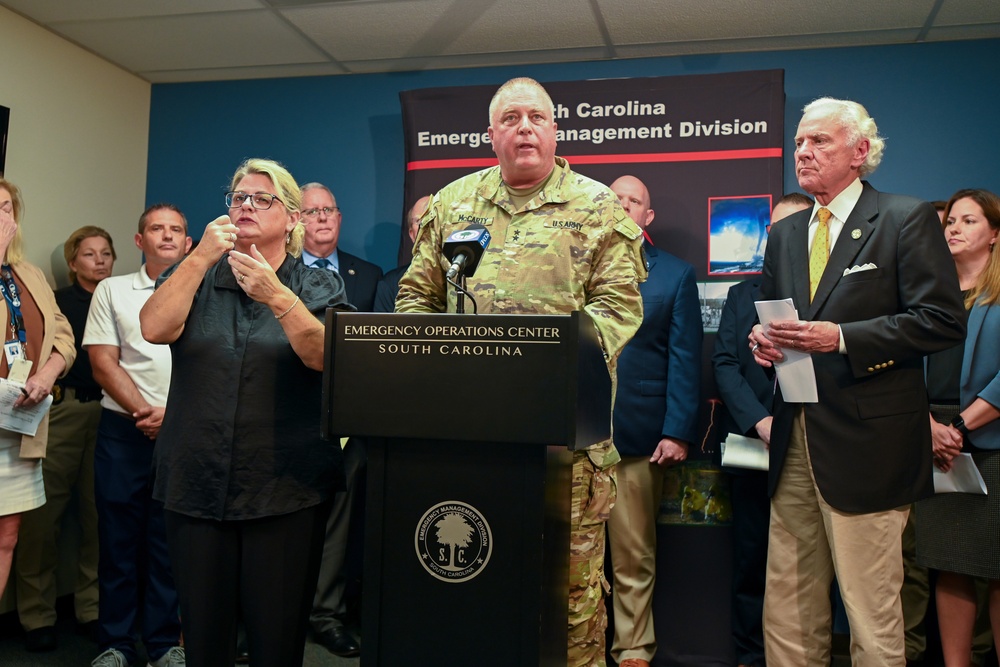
[(338, 641), (41, 640)]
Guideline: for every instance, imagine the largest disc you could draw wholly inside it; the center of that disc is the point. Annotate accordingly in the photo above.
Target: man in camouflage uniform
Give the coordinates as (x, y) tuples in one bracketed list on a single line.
[(560, 242)]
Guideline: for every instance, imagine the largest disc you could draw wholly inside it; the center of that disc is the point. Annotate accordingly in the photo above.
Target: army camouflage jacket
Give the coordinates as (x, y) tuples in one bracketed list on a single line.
[(572, 247)]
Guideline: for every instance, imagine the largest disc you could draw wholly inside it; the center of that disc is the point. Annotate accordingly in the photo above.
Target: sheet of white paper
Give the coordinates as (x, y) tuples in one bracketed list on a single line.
[(963, 477), (739, 451), (796, 374), (19, 420)]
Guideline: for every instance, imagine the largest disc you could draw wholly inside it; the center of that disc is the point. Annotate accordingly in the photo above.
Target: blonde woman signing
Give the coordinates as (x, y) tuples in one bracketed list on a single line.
[(242, 470)]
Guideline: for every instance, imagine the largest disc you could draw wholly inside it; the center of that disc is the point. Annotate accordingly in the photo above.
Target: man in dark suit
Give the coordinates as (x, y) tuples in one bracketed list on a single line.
[(322, 221), (874, 286), (655, 420), (333, 612), (747, 395)]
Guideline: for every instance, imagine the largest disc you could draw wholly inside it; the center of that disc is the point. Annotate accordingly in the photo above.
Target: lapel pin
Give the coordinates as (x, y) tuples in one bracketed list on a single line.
[(855, 234), (351, 271)]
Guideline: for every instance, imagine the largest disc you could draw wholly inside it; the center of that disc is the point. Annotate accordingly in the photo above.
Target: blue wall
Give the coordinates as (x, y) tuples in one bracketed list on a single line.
[(936, 104)]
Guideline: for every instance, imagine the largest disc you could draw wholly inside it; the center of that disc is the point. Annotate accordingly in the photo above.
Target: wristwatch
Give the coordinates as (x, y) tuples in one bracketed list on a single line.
[(959, 423)]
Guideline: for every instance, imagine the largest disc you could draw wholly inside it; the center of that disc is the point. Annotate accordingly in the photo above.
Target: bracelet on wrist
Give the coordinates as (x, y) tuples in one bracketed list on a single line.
[(278, 317)]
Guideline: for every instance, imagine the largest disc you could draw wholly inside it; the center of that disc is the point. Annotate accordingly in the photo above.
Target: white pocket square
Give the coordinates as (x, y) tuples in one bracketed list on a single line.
[(857, 269)]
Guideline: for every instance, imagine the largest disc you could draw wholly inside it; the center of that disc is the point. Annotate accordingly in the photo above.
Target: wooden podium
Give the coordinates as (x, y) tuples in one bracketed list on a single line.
[(469, 421)]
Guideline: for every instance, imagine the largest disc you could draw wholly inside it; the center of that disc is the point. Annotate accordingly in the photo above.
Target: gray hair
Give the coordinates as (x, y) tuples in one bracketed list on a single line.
[(518, 83), (855, 120)]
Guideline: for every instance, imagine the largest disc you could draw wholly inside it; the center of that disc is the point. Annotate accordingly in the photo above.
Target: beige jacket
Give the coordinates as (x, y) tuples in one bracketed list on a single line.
[(58, 336)]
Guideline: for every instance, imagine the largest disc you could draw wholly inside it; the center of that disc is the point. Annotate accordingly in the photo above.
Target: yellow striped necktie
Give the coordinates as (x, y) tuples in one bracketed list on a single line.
[(820, 251)]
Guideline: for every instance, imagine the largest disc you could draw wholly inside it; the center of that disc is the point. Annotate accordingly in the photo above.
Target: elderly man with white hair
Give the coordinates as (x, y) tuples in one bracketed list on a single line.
[(872, 281)]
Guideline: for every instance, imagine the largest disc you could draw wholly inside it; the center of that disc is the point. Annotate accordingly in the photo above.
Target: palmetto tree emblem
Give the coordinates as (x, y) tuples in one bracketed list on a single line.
[(456, 532), (453, 541)]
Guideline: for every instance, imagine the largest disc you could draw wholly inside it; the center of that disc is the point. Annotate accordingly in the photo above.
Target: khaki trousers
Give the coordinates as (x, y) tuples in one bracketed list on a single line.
[(809, 542), (68, 468), (632, 533)]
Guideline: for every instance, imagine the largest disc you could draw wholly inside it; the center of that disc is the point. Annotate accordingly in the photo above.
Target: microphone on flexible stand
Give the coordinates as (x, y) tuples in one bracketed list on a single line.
[(464, 249)]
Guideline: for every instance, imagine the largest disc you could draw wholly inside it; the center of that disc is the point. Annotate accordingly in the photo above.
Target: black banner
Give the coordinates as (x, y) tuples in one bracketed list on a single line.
[(708, 147)]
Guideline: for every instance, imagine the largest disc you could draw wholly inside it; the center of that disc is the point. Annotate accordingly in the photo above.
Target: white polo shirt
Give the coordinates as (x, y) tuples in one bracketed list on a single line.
[(114, 320)]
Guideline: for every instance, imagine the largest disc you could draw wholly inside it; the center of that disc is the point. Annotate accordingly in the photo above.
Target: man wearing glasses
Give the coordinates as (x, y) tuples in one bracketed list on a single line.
[(322, 222)]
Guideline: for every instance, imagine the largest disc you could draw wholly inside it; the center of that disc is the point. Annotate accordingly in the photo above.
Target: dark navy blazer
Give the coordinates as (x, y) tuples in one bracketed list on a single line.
[(745, 389), (659, 370)]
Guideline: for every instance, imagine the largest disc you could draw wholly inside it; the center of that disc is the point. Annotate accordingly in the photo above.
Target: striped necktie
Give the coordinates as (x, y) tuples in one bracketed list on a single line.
[(820, 251), (321, 263)]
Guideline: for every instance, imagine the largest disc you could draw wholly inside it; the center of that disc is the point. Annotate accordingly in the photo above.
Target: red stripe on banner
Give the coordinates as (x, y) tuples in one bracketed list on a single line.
[(479, 162), (699, 156)]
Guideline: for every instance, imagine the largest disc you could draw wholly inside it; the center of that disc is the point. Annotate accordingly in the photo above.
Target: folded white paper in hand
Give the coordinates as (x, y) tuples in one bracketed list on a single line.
[(20, 420), (796, 375), (739, 451), (963, 477)]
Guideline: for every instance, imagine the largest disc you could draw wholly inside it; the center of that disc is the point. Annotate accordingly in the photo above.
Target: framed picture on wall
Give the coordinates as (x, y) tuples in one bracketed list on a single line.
[(737, 234), (713, 297)]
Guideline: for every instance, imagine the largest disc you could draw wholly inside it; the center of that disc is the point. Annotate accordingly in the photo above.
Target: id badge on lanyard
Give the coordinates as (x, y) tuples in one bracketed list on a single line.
[(19, 365), (13, 348)]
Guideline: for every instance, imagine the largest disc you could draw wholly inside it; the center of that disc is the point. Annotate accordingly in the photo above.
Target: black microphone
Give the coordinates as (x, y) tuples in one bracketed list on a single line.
[(464, 249)]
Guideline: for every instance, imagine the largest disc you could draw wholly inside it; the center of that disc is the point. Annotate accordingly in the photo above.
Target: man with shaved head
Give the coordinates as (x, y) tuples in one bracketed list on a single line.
[(655, 419)]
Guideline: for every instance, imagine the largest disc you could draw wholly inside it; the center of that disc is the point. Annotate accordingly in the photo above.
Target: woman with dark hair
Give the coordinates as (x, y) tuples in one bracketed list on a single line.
[(245, 477), (68, 468), (958, 534), (38, 348)]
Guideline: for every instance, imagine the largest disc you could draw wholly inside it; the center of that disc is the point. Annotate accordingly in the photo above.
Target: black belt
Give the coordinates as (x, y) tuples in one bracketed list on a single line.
[(81, 394)]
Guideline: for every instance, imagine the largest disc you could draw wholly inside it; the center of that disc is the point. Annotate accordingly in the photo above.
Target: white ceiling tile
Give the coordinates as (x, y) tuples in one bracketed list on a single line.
[(195, 42), (652, 21), (370, 30), (429, 28), (51, 11), (968, 12), (529, 25)]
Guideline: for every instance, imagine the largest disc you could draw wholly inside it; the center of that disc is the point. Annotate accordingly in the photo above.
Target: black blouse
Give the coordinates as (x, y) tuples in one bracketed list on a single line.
[(241, 432), (74, 302)]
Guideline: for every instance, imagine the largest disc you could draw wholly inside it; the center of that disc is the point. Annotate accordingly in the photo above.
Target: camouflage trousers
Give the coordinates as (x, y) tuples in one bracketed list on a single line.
[(593, 496)]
